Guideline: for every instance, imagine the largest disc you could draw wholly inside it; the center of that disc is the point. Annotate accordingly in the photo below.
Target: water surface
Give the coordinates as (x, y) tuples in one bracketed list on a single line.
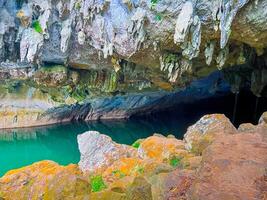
[(21, 147)]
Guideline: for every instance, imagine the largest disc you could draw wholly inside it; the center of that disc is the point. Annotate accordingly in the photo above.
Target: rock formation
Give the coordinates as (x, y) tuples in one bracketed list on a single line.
[(117, 49), (231, 165)]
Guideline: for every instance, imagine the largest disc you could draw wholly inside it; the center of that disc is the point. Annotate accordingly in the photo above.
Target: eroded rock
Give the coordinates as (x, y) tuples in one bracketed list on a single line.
[(99, 151), (209, 127), (44, 180), (234, 167)]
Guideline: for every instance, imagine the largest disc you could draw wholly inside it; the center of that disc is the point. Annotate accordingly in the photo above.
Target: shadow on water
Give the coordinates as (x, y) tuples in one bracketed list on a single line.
[(20, 147)]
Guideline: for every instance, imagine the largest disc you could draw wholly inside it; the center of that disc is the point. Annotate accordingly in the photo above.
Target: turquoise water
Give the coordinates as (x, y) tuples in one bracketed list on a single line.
[(21, 147)]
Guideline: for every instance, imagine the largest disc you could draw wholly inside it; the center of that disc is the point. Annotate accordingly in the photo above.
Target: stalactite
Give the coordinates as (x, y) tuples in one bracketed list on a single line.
[(183, 22), (30, 44), (65, 35), (225, 12), (188, 31), (258, 81), (222, 57), (137, 29), (81, 37), (175, 65), (209, 50), (235, 107)]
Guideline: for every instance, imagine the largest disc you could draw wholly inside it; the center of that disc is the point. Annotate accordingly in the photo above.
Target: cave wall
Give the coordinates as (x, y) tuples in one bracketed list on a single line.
[(58, 53)]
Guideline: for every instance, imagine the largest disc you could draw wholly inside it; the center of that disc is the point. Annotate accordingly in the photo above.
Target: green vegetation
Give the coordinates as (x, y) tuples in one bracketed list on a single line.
[(175, 161), (37, 26), (136, 144), (97, 183), (139, 169), (78, 5), (54, 69), (171, 58), (12, 86), (154, 2), (158, 17), (118, 173)]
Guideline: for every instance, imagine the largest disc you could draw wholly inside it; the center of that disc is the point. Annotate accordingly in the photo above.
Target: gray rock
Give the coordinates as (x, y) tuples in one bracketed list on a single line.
[(98, 151)]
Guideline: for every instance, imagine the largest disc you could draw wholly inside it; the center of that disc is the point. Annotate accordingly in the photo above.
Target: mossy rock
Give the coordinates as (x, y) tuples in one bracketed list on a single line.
[(140, 189), (200, 145), (53, 76)]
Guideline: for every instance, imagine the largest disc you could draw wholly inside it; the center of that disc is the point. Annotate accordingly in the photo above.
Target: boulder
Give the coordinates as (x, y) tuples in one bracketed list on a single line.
[(233, 167), (201, 134), (44, 180), (99, 151), (263, 118), (140, 189), (161, 148), (173, 185), (246, 128)]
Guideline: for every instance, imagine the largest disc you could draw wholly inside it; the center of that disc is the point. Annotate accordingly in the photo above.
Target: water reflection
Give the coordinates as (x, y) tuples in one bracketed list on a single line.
[(21, 147)]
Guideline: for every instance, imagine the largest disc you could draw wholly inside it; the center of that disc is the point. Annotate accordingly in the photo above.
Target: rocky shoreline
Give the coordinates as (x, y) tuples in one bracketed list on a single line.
[(213, 161)]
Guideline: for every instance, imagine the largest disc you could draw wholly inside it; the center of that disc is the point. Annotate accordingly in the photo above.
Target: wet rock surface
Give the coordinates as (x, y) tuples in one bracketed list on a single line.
[(232, 166), (57, 95)]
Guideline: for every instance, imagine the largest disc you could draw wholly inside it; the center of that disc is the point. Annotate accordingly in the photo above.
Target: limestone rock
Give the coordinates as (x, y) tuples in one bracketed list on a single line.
[(201, 134), (246, 128), (51, 76), (99, 151), (30, 45), (139, 190), (44, 180), (173, 185), (233, 167), (160, 148), (263, 119)]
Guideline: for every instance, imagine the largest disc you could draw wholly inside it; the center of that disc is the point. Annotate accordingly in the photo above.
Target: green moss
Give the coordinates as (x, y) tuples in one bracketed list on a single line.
[(37, 26), (154, 2), (136, 144), (12, 86), (158, 17), (110, 84), (78, 6), (97, 183), (54, 69), (170, 58), (118, 173), (175, 161), (140, 169)]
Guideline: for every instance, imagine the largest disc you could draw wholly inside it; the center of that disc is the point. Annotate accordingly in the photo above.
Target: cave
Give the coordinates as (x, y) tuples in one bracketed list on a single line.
[(129, 99)]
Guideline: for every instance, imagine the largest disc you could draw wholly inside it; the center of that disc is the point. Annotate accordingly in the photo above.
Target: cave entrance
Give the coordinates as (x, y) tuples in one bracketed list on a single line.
[(248, 109)]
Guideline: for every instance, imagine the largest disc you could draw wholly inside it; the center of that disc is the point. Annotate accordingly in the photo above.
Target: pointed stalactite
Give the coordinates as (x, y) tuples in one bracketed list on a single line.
[(235, 107), (256, 109)]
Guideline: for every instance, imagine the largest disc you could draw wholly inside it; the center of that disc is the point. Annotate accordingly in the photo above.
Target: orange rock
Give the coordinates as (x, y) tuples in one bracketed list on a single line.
[(233, 167), (247, 127), (44, 180), (172, 185), (160, 148), (124, 167), (201, 134)]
